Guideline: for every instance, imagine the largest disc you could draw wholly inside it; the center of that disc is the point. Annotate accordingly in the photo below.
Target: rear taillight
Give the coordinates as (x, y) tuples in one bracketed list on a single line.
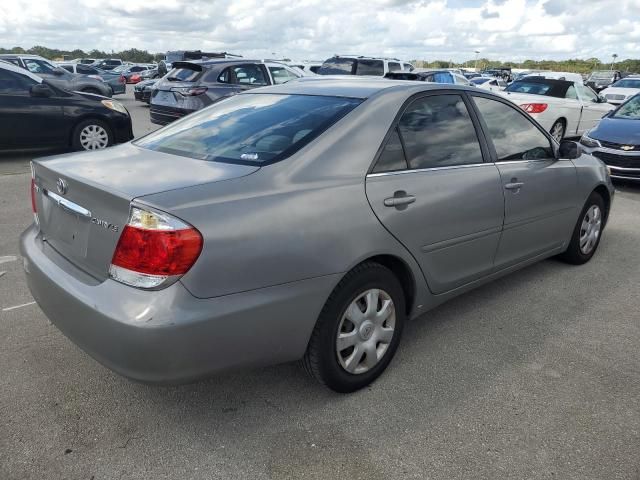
[(191, 91), (534, 107), (154, 250), (34, 190)]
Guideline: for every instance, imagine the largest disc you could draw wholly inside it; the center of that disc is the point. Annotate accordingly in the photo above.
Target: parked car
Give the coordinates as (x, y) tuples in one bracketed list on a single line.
[(131, 73), (116, 81), (149, 74), (622, 90), (560, 106), (58, 76), (492, 84), (142, 90), (84, 61), (305, 220), (568, 76), (359, 65), (187, 55), (307, 66), (616, 140), (35, 113), (600, 80), (108, 63), (435, 76), (190, 86)]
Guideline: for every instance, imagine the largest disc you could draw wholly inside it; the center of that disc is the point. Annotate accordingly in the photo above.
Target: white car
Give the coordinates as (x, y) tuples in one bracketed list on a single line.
[(623, 89), (489, 83), (563, 108)]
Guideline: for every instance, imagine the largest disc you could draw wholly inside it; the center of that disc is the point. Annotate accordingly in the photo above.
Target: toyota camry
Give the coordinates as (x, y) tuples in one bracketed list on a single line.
[(309, 220)]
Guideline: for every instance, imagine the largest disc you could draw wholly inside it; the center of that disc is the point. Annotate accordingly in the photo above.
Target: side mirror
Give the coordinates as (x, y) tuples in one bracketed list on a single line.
[(59, 72), (41, 90), (569, 150)]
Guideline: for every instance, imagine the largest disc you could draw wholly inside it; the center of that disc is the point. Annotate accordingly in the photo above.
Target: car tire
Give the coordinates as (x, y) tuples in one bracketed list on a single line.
[(558, 130), (91, 132), (587, 232), (375, 335)]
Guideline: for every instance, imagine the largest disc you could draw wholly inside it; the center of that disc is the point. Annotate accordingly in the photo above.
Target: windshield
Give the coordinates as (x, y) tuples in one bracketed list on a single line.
[(630, 110), (337, 66), (601, 76), (533, 88), (479, 81), (627, 83), (253, 129)]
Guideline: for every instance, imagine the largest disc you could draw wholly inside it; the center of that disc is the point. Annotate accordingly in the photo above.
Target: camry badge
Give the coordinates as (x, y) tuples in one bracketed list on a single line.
[(626, 148), (61, 185)]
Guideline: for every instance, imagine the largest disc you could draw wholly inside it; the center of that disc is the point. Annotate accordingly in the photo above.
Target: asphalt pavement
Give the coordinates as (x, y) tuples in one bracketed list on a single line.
[(536, 375)]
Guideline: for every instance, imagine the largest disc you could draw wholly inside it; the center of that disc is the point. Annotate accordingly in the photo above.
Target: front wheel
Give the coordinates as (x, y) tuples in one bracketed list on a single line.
[(358, 330), (587, 232), (92, 135), (557, 130)]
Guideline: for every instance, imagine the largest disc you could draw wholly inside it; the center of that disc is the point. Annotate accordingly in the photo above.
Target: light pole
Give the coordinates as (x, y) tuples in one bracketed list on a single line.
[(476, 65), (615, 55)]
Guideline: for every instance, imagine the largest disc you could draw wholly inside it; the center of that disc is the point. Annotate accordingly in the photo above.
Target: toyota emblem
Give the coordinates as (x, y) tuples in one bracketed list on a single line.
[(61, 185)]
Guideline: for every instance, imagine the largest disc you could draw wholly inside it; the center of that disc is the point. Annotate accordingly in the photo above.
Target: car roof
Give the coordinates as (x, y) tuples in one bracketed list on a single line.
[(14, 68), (353, 86)]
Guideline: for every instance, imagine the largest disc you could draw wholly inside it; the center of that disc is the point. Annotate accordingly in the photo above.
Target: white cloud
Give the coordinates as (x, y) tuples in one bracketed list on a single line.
[(316, 29)]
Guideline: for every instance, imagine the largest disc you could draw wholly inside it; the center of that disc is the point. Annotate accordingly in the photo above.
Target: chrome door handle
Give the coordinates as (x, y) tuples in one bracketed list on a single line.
[(399, 201), (513, 185)]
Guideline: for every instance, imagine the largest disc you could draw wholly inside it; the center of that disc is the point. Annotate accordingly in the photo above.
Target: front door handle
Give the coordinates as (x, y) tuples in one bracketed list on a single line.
[(513, 185), (399, 199)]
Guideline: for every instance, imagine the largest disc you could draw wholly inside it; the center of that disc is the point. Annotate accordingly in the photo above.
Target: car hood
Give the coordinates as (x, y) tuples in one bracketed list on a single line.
[(617, 130), (134, 171), (620, 91)]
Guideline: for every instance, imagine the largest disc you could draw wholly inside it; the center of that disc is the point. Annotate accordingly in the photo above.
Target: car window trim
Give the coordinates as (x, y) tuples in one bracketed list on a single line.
[(484, 147), (494, 155)]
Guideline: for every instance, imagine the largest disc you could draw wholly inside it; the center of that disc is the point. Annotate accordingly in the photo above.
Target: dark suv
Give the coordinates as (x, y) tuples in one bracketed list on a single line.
[(190, 86)]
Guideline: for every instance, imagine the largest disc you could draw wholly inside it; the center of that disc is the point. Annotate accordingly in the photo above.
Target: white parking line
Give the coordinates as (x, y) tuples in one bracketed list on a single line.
[(8, 258), (17, 306)]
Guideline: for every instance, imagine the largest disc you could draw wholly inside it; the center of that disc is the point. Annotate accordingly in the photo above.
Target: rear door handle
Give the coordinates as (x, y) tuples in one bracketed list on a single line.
[(399, 201), (513, 185)]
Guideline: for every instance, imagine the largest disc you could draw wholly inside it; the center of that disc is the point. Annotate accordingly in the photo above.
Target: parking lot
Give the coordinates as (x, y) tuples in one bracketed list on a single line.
[(536, 375)]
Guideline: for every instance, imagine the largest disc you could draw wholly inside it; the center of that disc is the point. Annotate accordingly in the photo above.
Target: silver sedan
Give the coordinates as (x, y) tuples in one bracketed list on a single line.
[(308, 221)]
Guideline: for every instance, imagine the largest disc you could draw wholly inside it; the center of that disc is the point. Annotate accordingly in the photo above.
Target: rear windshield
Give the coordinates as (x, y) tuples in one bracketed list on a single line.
[(627, 83), (183, 75), (253, 129), (337, 66), (602, 75), (533, 88)]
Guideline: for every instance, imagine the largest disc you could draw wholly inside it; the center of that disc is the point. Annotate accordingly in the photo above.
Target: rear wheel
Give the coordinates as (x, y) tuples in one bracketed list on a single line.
[(92, 134), (587, 232), (557, 130), (358, 330)]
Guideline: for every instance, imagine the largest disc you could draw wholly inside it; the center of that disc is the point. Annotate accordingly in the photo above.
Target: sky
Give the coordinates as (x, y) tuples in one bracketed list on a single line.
[(316, 29)]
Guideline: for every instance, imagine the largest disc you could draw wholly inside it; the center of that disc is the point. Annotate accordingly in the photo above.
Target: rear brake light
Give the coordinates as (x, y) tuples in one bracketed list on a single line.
[(191, 91), (534, 107), (154, 250)]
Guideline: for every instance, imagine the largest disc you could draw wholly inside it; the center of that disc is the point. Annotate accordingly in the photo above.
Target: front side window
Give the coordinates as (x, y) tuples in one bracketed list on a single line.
[(514, 136), (438, 132), (38, 66), (252, 129), (571, 93), (86, 70), (587, 94), (370, 67), (394, 66), (336, 66), (12, 83), (250, 74), (69, 68), (281, 75)]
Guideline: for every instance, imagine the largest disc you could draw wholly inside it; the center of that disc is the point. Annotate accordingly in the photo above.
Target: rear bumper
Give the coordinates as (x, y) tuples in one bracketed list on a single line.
[(164, 115), (169, 336)]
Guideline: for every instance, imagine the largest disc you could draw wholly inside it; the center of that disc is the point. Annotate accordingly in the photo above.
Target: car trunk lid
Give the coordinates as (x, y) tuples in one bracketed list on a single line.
[(83, 200)]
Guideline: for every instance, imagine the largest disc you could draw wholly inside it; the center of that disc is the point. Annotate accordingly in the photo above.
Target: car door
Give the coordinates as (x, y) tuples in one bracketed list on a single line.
[(26, 120), (592, 109), (539, 189), (431, 188)]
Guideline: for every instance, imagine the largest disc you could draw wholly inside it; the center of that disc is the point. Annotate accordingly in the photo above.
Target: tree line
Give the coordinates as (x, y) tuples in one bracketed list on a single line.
[(143, 56)]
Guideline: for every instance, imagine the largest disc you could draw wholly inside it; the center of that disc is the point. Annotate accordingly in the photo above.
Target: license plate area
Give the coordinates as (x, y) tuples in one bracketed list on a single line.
[(65, 224), (164, 98)]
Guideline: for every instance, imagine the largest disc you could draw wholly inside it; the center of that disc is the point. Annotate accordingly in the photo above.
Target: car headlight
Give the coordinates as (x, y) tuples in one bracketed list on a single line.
[(117, 106), (587, 141)]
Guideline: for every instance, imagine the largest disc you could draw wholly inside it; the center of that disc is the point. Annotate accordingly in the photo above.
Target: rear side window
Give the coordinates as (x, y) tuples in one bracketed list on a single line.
[(370, 67), (337, 66), (250, 74), (514, 137), (37, 66), (281, 75), (392, 156), (86, 70), (437, 131), (252, 129)]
